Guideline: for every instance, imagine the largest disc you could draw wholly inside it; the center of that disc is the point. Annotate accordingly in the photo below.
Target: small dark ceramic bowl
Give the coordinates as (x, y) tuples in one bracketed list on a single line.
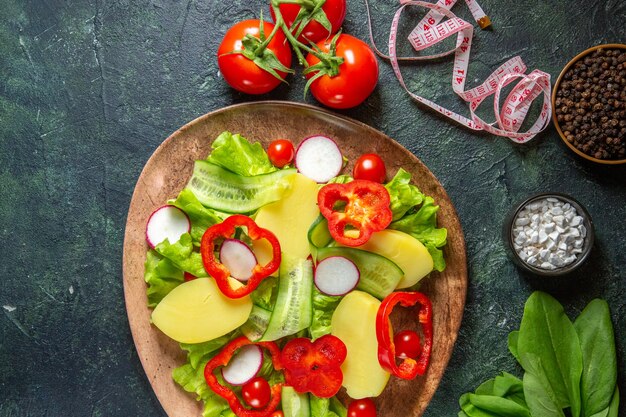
[(580, 258)]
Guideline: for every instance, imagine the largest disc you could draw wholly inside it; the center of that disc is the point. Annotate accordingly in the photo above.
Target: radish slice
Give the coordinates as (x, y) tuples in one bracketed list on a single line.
[(319, 158), (166, 222), (238, 258), (244, 365), (336, 275)]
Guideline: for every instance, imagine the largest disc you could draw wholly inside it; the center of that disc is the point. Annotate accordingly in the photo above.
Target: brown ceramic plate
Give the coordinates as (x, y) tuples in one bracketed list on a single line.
[(167, 172)]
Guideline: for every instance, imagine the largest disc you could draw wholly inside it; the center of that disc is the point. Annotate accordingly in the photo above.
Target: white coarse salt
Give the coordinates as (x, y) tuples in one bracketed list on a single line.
[(548, 233)]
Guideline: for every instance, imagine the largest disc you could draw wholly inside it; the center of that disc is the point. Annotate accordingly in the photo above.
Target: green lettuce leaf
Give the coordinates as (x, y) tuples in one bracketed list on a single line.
[(182, 255), (404, 196), (161, 275), (236, 154), (191, 375), (422, 225), (323, 308), (264, 295), (201, 217)]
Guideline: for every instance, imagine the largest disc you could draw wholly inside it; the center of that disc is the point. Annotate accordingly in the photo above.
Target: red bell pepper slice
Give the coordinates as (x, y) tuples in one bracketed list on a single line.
[(366, 210), (314, 367), (222, 359), (408, 368), (219, 271)]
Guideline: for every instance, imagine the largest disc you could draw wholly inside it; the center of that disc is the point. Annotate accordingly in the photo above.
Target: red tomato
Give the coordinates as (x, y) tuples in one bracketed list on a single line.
[(240, 72), (278, 414), (362, 408), (408, 344), (256, 392), (335, 12), (281, 152), (357, 76), (369, 167)]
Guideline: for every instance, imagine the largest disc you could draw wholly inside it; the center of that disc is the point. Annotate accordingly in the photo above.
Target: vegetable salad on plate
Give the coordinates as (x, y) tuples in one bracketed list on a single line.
[(277, 273)]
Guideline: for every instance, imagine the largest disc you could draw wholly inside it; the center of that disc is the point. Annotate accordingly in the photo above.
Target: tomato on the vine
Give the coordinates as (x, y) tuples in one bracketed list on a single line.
[(335, 11), (362, 408), (241, 72), (256, 392), (281, 152), (357, 78), (408, 344), (369, 167)]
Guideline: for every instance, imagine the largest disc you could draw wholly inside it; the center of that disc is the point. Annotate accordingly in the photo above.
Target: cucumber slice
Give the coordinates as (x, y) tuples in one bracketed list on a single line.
[(318, 235), (220, 189), (379, 275), (294, 404), (294, 306), (257, 323)]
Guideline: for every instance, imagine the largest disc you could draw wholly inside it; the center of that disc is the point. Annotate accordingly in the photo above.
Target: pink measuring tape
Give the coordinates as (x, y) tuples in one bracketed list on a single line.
[(429, 31)]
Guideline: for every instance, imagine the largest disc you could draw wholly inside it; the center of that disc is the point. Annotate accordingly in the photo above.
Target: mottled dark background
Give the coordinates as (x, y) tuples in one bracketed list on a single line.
[(89, 88)]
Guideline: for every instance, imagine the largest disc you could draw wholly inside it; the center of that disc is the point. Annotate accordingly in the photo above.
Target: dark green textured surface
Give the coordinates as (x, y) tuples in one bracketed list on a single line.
[(88, 89)]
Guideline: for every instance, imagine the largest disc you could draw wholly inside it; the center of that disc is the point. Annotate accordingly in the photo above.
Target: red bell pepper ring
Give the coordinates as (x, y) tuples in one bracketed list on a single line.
[(314, 367), (219, 271), (366, 210), (222, 359), (408, 368)]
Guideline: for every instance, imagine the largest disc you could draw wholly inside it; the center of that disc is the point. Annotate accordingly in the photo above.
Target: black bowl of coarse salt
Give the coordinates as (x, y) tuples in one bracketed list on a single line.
[(589, 102), (549, 234)]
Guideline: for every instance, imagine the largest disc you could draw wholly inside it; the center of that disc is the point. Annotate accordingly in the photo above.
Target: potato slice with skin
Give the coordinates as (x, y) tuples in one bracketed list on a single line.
[(403, 249), (289, 219), (197, 311), (354, 322)]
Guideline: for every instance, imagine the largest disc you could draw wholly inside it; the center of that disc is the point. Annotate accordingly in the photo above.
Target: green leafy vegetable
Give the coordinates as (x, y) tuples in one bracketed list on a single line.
[(570, 369), (597, 341), (201, 217), (404, 196), (161, 275), (182, 255), (422, 225), (323, 308), (238, 155), (548, 334), (191, 375)]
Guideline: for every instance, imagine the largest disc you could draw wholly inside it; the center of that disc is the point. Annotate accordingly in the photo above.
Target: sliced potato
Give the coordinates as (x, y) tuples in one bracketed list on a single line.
[(289, 219), (354, 322), (197, 311)]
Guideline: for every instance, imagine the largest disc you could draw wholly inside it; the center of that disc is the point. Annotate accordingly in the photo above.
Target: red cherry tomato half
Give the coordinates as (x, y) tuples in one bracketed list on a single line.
[(281, 152), (357, 76), (408, 344), (335, 12), (362, 408), (256, 392), (369, 167), (243, 74)]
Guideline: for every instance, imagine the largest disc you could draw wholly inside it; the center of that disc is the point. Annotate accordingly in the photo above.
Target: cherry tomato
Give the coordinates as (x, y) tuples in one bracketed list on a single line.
[(277, 414), (369, 167), (281, 152), (335, 12), (256, 392), (357, 76), (240, 72), (408, 344), (362, 408)]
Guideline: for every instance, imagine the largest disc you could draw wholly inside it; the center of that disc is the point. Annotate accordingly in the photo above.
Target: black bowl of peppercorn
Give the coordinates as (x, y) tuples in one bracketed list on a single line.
[(589, 102)]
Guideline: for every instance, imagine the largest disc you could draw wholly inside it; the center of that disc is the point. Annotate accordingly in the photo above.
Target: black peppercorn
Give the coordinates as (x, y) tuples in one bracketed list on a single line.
[(591, 104)]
